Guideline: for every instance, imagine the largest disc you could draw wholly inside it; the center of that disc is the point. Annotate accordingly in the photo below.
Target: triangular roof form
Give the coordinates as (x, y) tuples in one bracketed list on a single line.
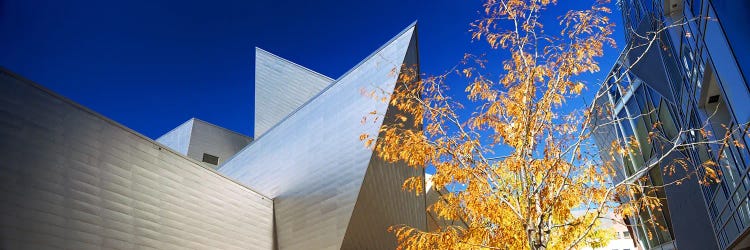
[(201, 140), (313, 164), (178, 139), (381, 202), (281, 87)]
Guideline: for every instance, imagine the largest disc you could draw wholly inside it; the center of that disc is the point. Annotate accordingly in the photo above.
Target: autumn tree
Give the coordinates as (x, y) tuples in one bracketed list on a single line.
[(599, 238), (522, 159)]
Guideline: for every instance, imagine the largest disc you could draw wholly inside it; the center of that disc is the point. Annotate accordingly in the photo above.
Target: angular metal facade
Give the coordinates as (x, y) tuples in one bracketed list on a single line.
[(73, 179), (178, 139), (313, 164), (382, 202), (281, 87), (196, 137)]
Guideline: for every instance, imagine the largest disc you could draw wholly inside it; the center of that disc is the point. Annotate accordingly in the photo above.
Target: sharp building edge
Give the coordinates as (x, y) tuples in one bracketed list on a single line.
[(312, 163), (281, 87), (75, 179), (178, 139), (381, 202), (204, 142)]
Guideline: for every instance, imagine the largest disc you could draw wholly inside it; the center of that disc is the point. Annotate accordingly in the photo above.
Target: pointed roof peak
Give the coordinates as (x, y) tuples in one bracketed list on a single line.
[(409, 30), (259, 51), (413, 24)]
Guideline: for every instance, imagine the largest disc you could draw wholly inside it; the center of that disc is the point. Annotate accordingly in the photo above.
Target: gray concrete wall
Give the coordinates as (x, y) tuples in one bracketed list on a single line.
[(71, 178)]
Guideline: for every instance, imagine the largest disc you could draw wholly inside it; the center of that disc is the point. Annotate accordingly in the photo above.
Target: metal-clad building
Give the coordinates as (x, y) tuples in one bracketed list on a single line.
[(281, 87), (204, 142), (694, 75), (74, 179), (329, 190)]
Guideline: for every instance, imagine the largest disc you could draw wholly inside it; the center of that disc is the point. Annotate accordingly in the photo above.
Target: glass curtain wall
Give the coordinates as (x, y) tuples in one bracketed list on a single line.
[(707, 64)]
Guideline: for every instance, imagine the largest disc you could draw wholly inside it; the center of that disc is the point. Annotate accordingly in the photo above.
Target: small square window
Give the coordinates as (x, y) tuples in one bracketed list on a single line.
[(210, 159), (713, 99)]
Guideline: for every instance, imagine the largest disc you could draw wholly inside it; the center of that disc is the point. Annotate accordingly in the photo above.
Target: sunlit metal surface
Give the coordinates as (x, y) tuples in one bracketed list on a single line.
[(313, 164), (178, 139), (281, 87), (196, 137), (73, 179)]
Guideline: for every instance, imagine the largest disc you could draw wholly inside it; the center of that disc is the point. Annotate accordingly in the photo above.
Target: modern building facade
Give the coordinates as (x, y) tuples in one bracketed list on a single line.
[(204, 142), (329, 190), (695, 75), (72, 178)]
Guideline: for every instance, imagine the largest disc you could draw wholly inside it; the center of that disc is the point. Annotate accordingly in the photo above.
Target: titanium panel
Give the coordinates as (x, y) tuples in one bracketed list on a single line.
[(178, 139), (211, 139), (71, 178), (312, 163), (381, 202), (195, 137), (281, 87)]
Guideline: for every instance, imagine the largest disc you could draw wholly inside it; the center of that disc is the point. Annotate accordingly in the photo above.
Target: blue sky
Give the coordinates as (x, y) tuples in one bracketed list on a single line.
[(152, 65)]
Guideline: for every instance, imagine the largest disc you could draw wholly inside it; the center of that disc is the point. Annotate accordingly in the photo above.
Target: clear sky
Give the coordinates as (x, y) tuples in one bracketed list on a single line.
[(152, 65)]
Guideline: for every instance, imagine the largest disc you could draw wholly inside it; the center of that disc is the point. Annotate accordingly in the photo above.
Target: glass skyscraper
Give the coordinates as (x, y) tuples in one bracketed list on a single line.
[(693, 75)]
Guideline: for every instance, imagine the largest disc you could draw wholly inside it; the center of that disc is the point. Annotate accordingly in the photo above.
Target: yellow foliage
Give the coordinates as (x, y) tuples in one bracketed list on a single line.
[(600, 238), (522, 198)]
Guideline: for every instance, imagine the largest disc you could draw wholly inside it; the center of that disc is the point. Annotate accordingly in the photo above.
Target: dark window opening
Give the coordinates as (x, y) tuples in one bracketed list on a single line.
[(210, 159), (713, 99)]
